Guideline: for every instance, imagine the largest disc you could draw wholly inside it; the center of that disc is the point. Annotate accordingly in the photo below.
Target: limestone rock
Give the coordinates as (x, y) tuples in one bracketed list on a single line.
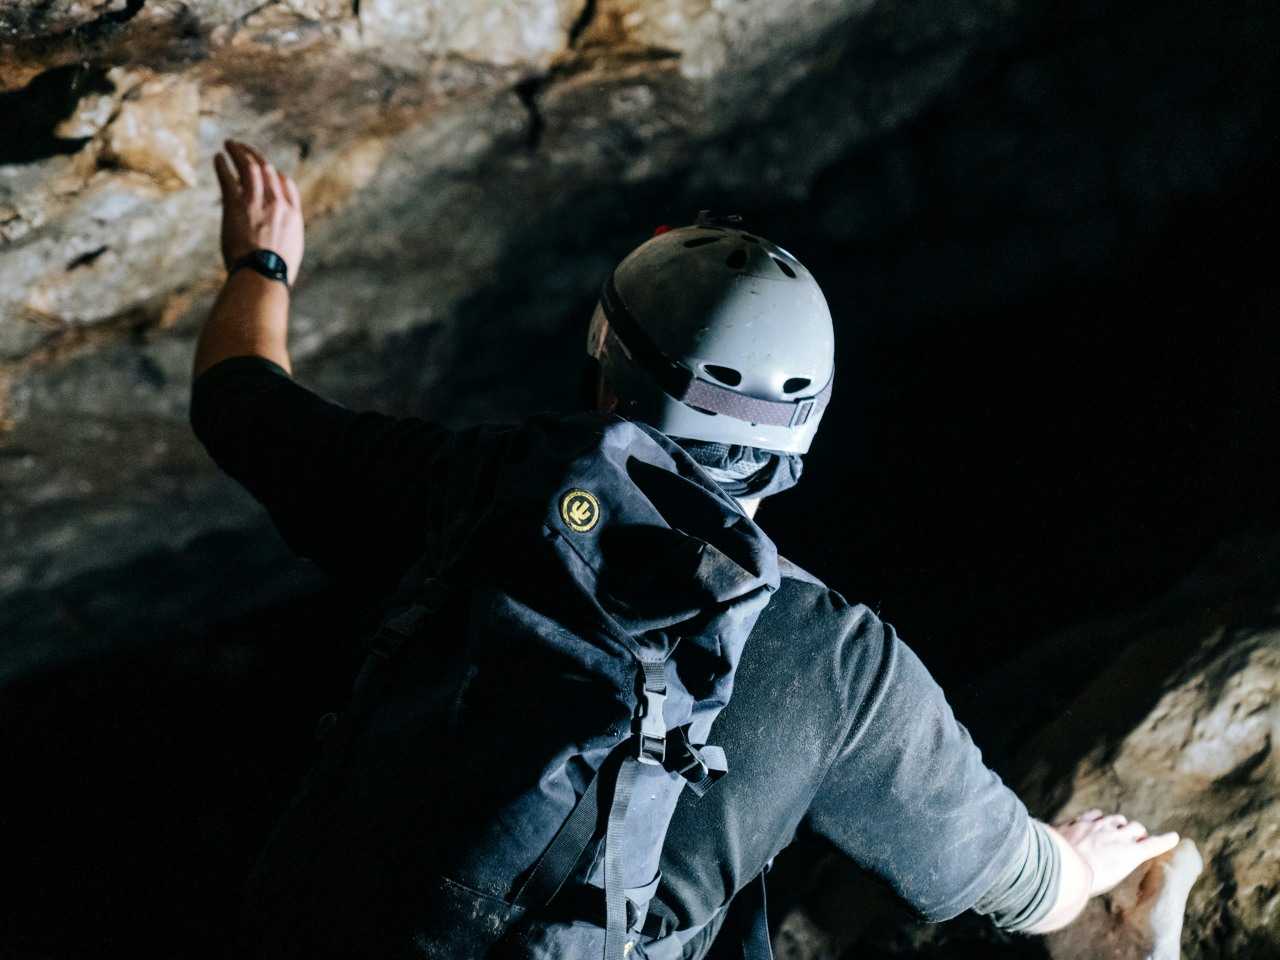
[(156, 131), (524, 31), (1178, 732), (1201, 763)]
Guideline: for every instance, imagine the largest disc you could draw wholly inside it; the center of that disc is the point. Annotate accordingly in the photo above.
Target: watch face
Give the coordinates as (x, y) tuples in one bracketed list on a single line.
[(266, 262)]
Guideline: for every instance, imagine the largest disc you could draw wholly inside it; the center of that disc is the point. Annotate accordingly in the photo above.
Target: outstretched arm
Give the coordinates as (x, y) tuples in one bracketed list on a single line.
[(909, 798), (261, 209), (350, 490)]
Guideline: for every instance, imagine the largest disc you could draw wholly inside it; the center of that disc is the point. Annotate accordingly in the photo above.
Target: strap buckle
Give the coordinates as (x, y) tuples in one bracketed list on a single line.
[(651, 728), (695, 769), (701, 766)]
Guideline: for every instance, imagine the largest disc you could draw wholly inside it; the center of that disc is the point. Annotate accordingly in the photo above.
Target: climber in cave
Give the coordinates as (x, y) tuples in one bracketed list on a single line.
[(844, 735)]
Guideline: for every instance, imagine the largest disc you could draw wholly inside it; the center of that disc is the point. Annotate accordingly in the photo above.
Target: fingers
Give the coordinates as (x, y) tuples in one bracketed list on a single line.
[(248, 169), (1088, 817), (226, 179), (1132, 831), (270, 183), (1159, 844), (291, 189), (258, 176), (1115, 821), (252, 151)]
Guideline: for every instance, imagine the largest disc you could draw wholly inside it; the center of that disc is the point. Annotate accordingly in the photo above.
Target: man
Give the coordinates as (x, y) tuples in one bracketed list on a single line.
[(723, 341)]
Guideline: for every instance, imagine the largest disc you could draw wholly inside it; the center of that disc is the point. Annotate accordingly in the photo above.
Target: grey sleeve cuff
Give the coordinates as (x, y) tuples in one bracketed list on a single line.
[(1026, 892)]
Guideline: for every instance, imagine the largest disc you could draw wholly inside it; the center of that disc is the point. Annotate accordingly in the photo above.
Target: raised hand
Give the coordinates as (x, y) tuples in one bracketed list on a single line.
[(261, 207)]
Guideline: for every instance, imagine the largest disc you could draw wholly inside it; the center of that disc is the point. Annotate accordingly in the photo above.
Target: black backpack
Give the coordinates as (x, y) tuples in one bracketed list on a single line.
[(528, 714)]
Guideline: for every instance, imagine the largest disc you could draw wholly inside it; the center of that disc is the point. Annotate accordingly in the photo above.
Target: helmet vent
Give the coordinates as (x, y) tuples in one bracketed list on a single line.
[(782, 265), (796, 384), (726, 375), (700, 241), (750, 239), (737, 260)]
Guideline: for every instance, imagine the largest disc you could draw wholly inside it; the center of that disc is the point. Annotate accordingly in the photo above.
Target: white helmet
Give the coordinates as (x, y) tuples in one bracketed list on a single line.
[(711, 333)]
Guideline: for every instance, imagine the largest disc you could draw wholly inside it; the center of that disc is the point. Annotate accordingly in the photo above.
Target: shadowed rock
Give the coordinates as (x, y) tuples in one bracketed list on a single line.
[(1177, 730)]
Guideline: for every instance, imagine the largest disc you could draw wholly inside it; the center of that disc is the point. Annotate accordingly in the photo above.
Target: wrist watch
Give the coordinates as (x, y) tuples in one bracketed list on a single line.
[(266, 262)]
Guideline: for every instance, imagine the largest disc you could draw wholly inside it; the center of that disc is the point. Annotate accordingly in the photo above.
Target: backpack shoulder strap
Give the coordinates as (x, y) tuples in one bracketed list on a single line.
[(334, 730), (391, 635)]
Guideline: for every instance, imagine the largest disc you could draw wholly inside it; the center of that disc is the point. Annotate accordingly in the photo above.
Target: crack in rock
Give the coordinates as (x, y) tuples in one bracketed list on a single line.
[(528, 90), (586, 16)]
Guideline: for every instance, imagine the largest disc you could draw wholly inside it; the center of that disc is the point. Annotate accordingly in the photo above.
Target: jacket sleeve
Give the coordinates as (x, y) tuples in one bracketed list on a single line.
[(909, 798), (351, 491), (1028, 891)]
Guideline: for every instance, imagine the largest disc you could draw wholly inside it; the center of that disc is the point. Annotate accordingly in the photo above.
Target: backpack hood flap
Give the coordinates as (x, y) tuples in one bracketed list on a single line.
[(667, 547)]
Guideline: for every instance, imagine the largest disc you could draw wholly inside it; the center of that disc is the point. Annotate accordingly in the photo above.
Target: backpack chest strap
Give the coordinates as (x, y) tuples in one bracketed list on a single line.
[(701, 765), (650, 724)]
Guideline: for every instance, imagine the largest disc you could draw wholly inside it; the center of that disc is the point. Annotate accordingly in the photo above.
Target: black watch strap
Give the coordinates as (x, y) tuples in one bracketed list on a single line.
[(266, 262)]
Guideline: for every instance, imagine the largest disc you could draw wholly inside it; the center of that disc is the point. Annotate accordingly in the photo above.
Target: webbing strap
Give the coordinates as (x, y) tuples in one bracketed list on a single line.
[(654, 673), (755, 941), (386, 643), (615, 901), (556, 864), (393, 633), (651, 736), (620, 769), (774, 413)]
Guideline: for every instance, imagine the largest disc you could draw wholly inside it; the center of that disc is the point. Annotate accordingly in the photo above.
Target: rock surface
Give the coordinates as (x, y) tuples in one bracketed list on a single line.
[(1042, 229), (1179, 731)]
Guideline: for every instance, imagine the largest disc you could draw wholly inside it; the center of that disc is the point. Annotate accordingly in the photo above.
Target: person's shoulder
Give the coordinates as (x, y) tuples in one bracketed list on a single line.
[(838, 652), (824, 615), (803, 584), (790, 570)]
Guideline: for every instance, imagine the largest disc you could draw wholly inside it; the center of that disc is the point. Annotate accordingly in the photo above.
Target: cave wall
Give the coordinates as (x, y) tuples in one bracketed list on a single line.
[(1042, 230)]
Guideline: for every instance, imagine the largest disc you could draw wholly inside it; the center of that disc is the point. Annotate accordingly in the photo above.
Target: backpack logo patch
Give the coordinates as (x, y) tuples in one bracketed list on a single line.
[(579, 510)]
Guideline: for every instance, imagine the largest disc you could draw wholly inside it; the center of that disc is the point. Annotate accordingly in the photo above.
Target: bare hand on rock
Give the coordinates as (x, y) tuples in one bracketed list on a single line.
[(1142, 920), (261, 207), (1113, 846)]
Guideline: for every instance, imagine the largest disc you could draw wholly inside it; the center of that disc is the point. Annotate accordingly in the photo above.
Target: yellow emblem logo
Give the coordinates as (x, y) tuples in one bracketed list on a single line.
[(580, 510)]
